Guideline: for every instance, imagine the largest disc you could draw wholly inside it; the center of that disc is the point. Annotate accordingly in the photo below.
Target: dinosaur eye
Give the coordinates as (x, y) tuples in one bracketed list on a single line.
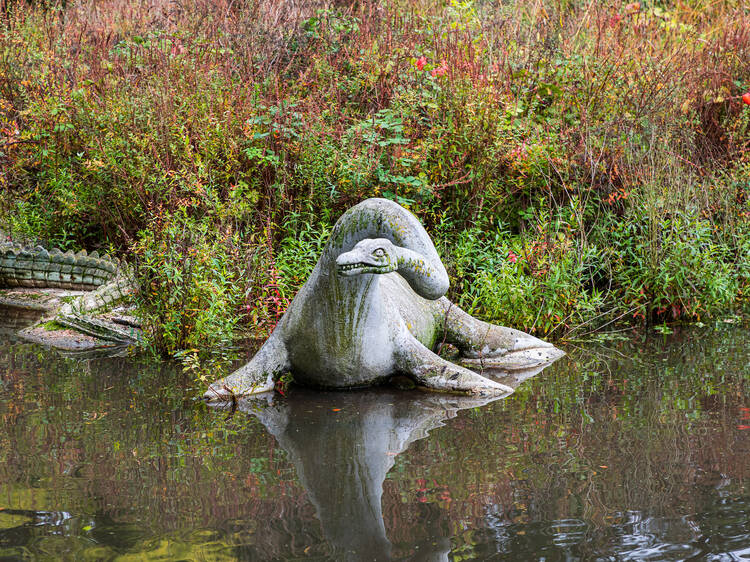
[(379, 253)]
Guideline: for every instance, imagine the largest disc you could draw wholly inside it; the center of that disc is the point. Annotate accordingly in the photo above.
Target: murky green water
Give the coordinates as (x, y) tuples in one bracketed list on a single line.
[(633, 449)]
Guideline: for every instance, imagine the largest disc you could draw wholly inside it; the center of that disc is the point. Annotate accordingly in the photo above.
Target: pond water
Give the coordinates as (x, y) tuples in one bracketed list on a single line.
[(635, 449)]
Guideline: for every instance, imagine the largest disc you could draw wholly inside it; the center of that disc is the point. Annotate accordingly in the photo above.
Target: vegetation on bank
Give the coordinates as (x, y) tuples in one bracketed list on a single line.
[(577, 163)]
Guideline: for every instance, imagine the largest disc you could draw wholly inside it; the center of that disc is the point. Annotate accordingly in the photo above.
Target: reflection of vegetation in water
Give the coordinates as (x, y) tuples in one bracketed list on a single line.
[(131, 464)]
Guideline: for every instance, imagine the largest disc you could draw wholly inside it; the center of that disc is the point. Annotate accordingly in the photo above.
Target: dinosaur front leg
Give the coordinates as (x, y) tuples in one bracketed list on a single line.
[(258, 375), (485, 345), (431, 371)]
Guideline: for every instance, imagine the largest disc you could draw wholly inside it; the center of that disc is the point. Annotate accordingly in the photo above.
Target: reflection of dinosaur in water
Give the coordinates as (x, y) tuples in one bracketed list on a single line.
[(374, 307), (342, 457)]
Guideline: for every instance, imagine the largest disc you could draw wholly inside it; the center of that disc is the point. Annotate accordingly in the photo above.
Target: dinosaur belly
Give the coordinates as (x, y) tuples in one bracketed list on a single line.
[(349, 356), (349, 339)]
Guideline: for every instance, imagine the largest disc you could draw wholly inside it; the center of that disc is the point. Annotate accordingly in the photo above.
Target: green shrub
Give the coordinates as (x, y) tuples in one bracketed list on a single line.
[(673, 267), (191, 285), (526, 282), (221, 146)]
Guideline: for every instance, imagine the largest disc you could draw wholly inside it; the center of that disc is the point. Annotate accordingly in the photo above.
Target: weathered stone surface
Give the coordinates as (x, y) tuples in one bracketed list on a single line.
[(103, 330), (41, 253), (374, 307), (7, 259), (108, 265), (42, 270), (39, 268), (23, 273)]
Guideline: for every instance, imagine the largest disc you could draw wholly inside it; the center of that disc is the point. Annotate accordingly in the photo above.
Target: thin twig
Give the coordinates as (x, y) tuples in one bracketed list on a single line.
[(608, 323), (574, 328), (25, 141)]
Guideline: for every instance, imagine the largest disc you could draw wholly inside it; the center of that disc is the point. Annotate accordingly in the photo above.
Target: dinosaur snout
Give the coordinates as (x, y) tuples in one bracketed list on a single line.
[(357, 262), (347, 264)]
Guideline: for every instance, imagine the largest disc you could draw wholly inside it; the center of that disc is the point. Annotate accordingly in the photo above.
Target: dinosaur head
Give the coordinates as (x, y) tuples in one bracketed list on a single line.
[(371, 255)]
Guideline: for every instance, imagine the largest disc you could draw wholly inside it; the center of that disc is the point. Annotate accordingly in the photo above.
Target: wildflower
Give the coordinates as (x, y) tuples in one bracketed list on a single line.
[(746, 98), (280, 387), (421, 61), (440, 70), (512, 258), (177, 48)]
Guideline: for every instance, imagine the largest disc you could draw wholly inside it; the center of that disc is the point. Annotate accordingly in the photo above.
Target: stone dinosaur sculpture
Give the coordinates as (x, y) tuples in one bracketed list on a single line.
[(372, 308), (102, 278)]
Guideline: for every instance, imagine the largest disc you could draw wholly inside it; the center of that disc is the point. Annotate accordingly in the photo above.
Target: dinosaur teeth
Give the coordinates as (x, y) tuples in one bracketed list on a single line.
[(350, 266)]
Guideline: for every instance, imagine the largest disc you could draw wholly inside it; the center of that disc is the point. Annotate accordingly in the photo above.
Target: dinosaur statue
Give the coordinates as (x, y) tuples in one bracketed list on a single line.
[(372, 308), (102, 279)]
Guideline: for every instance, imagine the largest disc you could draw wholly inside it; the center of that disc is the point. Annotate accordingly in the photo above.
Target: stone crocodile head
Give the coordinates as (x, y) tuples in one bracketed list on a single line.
[(371, 255)]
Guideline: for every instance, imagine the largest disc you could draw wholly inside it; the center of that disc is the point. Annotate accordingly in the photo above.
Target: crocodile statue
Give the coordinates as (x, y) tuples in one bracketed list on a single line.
[(103, 281), (373, 308)]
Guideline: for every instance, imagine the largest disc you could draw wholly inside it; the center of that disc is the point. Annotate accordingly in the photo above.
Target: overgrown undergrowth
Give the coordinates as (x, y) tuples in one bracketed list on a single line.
[(577, 163)]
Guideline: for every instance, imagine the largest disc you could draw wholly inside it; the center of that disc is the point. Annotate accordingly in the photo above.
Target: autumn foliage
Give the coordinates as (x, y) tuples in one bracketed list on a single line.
[(577, 162)]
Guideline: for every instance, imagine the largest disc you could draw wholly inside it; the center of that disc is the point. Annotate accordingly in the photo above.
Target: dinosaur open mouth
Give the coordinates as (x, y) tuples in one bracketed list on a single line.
[(361, 267), (350, 266)]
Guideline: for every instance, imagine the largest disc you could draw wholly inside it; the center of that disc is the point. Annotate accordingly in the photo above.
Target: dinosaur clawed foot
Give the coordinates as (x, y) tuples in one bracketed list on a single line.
[(515, 360), (527, 352), (234, 387)]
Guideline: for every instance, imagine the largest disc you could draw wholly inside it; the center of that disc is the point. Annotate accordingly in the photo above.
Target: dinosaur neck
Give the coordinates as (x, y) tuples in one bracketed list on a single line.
[(419, 262)]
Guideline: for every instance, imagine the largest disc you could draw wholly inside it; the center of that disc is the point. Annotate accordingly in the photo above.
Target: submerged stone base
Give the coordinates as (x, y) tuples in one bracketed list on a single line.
[(44, 300)]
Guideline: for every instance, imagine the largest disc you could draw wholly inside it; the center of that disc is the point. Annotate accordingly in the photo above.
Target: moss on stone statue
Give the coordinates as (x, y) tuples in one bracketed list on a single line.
[(53, 326)]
